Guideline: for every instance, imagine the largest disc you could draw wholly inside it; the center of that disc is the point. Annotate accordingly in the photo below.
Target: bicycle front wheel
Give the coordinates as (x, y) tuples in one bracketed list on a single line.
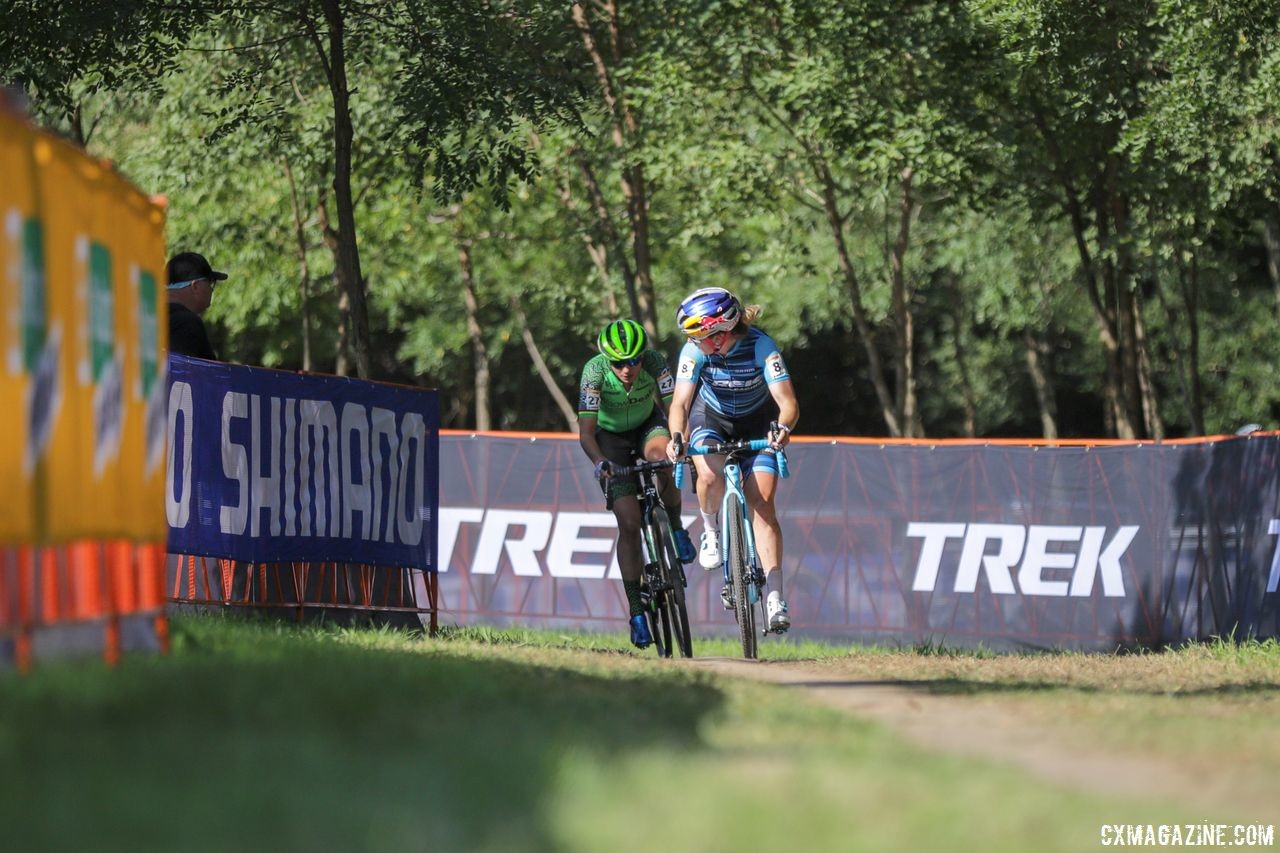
[(673, 597), (735, 534), (660, 629), (659, 618)]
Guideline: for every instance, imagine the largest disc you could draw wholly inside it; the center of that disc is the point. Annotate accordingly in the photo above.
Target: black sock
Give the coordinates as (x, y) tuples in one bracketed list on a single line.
[(773, 582), (632, 589)]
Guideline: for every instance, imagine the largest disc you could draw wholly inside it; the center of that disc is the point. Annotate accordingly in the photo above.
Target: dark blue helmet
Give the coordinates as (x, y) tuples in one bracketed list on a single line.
[(707, 311)]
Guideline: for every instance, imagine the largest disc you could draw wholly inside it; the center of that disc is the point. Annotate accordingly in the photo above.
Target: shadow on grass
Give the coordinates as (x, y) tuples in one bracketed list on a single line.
[(260, 739), (967, 687)]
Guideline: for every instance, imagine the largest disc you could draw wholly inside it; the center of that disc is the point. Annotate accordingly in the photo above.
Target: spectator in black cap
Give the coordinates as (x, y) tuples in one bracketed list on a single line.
[(191, 283)]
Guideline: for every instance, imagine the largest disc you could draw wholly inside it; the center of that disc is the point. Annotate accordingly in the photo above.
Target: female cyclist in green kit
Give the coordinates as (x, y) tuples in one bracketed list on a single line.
[(622, 401)]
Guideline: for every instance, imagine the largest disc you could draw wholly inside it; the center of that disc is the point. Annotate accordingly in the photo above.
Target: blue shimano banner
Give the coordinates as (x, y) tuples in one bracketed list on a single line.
[(268, 466)]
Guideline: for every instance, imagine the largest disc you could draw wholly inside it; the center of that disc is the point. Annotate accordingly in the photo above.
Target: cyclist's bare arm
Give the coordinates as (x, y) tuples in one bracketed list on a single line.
[(784, 394), (587, 438), (679, 415)]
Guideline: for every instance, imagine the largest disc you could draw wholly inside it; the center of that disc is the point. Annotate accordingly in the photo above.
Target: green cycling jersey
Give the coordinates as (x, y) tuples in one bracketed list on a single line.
[(619, 409)]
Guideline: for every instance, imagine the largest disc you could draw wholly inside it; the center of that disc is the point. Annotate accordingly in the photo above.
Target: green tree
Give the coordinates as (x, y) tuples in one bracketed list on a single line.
[(468, 74), (876, 106)]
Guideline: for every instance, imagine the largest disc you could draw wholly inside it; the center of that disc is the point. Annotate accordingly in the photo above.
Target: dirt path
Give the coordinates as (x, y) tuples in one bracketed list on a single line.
[(981, 728)]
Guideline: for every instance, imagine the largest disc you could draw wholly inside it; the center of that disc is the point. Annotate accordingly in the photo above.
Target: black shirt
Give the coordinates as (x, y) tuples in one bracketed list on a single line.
[(187, 335)]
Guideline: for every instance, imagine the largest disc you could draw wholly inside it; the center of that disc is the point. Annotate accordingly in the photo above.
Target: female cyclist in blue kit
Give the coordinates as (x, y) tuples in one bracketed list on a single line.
[(732, 383)]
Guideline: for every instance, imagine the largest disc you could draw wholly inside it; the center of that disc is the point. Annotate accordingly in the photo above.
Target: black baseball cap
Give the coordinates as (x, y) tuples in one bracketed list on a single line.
[(189, 266)]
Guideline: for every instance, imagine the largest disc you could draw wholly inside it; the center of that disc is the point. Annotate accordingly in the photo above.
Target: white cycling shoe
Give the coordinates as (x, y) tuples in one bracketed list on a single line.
[(709, 550), (776, 609)]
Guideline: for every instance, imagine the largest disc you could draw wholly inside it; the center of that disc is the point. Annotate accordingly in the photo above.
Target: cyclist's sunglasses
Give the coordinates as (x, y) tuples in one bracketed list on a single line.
[(627, 362)]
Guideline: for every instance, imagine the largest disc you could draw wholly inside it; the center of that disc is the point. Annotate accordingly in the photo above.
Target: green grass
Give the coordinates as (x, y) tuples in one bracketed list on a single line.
[(772, 648), (266, 736)]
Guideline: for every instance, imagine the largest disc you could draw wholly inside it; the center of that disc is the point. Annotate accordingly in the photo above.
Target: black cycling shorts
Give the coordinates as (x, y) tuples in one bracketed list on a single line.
[(707, 426), (623, 448)]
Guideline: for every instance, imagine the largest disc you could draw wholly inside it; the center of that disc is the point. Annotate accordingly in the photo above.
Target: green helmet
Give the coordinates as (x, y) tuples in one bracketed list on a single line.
[(622, 340)]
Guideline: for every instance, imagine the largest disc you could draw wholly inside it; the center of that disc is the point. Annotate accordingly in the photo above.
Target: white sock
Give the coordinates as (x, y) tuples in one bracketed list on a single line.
[(773, 582), (711, 521)]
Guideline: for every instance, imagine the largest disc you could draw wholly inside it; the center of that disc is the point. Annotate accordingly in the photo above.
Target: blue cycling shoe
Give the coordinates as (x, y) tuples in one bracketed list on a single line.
[(640, 636), (684, 546)]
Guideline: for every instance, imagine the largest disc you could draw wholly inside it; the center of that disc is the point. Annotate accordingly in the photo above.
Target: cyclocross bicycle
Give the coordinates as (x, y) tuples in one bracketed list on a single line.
[(742, 573), (663, 582)]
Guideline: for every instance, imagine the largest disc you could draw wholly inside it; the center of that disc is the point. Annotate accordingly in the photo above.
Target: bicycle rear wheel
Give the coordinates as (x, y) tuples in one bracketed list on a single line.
[(735, 532), (673, 598)]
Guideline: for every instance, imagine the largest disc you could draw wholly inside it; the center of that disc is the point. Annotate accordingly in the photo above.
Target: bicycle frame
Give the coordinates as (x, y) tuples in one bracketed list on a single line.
[(739, 525), (734, 491), (662, 571), (650, 503)]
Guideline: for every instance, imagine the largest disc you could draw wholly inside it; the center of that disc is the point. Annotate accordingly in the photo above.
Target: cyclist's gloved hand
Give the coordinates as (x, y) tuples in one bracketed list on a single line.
[(604, 470), (675, 448), (779, 435)]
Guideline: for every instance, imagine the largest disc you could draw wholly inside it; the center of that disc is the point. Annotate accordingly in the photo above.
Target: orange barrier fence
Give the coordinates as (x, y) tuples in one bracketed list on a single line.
[(301, 586), (59, 598)]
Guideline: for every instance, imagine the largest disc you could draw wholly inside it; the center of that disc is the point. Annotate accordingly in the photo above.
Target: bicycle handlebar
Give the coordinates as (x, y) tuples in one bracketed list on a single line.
[(726, 447), (641, 468), (628, 471), (741, 445)]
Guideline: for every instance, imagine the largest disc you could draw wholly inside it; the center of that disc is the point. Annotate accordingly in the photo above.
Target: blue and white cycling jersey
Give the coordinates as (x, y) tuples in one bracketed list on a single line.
[(736, 383)]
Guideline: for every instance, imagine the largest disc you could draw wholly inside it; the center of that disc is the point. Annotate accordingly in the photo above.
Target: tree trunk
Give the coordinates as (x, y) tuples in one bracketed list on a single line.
[(1118, 342), (597, 239), (350, 279), (960, 352), (968, 398), (479, 353), (1191, 306), (861, 323), (535, 355), (1099, 286), (1271, 239), (1188, 355), (76, 119), (304, 270), (903, 320), (609, 234), (1151, 418), (330, 237), (1129, 415), (458, 415), (1115, 334), (1135, 422), (633, 187), (306, 321), (1034, 350), (341, 359), (624, 128)]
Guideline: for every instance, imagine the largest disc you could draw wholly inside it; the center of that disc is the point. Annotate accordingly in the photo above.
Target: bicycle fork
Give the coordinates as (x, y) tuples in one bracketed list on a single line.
[(653, 583), (733, 491)]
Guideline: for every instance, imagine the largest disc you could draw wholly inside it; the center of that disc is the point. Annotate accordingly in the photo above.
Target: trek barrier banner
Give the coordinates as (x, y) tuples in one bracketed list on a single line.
[(963, 545), (82, 329), (270, 466)]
